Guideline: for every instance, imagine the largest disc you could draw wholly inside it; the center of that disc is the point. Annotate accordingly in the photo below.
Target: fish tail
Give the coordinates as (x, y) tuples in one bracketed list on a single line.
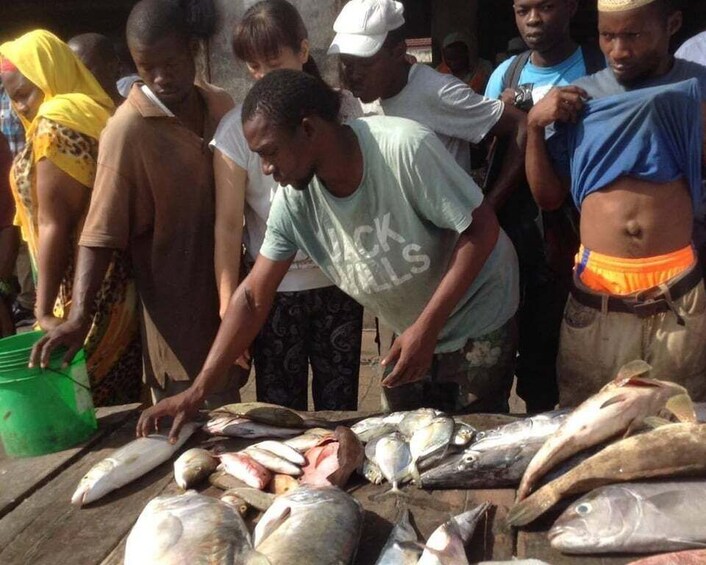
[(533, 506), (682, 407), (416, 477)]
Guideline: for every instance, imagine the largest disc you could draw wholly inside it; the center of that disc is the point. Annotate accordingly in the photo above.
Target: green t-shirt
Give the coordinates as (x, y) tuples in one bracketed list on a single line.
[(389, 243)]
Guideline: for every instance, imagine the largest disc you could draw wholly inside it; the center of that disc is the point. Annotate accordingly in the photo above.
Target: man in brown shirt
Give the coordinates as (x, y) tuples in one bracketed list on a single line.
[(154, 196)]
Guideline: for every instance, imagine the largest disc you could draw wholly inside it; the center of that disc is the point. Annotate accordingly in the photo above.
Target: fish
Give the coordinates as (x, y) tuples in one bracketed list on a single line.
[(245, 468), (349, 457), (446, 544), (492, 468), (641, 517), (391, 454), (234, 426), (304, 442), (313, 525), (193, 466), (321, 461), (402, 546), (371, 472), (673, 450), (430, 439), (188, 528), (416, 419), (618, 408), (241, 507), (252, 497), (128, 463), (693, 557), (273, 462), (532, 429), (262, 412), (282, 450), (463, 434), (372, 433), (224, 481)]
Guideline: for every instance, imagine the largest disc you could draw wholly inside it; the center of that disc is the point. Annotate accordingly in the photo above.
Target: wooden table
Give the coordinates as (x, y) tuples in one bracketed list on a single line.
[(39, 525)]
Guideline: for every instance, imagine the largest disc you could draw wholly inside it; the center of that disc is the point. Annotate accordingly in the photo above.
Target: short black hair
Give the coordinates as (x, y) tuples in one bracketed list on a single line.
[(95, 43), (285, 97), (151, 20)]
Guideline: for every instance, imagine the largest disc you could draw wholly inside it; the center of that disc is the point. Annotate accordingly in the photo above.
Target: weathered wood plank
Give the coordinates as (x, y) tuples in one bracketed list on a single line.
[(46, 528), (21, 477)]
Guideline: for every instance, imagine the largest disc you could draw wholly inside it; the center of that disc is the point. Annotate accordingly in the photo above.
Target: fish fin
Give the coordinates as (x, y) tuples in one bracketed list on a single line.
[(633, 369), (654, 422), (667, 502), (613, 400), (688, 543), (682, 407), (533, 506), (392, 491)]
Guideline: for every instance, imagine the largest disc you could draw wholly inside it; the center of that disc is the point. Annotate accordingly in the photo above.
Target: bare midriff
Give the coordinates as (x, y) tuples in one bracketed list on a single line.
[(637, 218)]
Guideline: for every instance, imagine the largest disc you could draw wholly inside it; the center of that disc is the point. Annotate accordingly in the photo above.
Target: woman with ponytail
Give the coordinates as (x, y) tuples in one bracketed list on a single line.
[(311, 321)]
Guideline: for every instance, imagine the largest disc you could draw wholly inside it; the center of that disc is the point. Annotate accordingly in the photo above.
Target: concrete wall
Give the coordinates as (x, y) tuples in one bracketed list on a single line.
[(224, 71)]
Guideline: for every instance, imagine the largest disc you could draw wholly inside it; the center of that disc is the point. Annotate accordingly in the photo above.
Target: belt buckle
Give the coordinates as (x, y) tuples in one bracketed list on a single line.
[(650, 307)]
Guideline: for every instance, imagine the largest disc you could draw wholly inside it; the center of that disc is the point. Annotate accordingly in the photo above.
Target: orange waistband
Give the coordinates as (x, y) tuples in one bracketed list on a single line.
[(621, 276)]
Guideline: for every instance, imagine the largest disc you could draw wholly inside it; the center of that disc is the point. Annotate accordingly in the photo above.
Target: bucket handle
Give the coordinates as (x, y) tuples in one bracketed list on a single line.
[(12, 381)]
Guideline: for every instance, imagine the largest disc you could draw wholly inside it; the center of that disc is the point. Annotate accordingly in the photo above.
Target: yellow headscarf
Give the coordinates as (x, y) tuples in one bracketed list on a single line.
[(72, 95)]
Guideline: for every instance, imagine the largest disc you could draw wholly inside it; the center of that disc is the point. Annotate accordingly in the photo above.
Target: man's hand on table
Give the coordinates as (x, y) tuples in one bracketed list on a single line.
[(412, 354), (183, 407)]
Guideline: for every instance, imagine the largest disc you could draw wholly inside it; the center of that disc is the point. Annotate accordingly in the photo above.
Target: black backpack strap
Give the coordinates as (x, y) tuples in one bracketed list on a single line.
[(512, 75), (593, 58)]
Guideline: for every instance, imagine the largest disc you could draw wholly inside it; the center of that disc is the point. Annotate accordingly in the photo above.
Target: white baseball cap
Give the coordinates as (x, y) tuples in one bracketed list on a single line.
[(362, 26)]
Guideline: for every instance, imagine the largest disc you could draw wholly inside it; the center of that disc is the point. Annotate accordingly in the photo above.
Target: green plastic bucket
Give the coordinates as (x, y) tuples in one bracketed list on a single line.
[(42, 410)]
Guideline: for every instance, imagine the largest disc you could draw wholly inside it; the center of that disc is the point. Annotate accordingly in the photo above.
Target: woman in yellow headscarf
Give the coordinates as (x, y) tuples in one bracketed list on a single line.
[(63, 110)]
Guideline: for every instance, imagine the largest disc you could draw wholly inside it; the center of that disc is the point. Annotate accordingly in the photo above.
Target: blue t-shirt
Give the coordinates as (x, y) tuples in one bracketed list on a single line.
[(562, 74), (652, 134), (389, 243), (604, 83)]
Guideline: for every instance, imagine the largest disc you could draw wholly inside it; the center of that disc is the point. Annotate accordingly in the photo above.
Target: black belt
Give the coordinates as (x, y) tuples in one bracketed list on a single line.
[(646, 303)]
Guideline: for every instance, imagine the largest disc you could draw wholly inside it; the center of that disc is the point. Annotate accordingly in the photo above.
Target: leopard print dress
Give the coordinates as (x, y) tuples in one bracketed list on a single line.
[(112, 347)]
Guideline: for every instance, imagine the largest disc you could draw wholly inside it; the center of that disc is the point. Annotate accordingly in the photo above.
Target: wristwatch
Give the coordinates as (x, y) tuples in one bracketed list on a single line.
[(523, 97)]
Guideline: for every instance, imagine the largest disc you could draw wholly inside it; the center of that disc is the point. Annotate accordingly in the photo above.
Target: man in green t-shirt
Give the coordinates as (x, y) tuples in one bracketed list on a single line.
[(389, 216)]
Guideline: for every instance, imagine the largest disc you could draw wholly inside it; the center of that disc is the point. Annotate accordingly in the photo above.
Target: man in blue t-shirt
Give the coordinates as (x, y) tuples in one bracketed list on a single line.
[(638, 291), (545, 242)]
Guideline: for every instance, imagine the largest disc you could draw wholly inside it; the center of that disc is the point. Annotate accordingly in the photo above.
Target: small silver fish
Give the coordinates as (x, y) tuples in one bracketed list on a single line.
[(391, 454), (193, 466), (311, 438), (463, 434), (416, 419), (281, 449), (428, 440), (273, 462)]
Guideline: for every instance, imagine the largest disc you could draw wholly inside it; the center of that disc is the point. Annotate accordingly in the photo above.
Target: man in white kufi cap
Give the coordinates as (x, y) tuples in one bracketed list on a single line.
[(632, 163)]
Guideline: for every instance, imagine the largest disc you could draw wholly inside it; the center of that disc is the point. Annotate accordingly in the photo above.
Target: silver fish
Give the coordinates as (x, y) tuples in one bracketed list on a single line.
[(194, 466), (391, 454), (634, 518), (463, 434), (492, 468), (446, 544), (372, 472), (282, 450), (311, 438), (253, 497), (692, 557), (367, 424), (128, 463), (402, 547), (273, 462), (234, 426), (416, 419), (188, 528), (430, 439), (527, 430), (310, 525)]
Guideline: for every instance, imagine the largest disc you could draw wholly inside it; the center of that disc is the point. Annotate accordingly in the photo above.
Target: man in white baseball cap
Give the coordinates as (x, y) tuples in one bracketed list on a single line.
[(370, 39)]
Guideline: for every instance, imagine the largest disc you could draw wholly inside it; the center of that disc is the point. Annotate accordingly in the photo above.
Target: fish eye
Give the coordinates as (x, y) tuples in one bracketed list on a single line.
[(583, 508)]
